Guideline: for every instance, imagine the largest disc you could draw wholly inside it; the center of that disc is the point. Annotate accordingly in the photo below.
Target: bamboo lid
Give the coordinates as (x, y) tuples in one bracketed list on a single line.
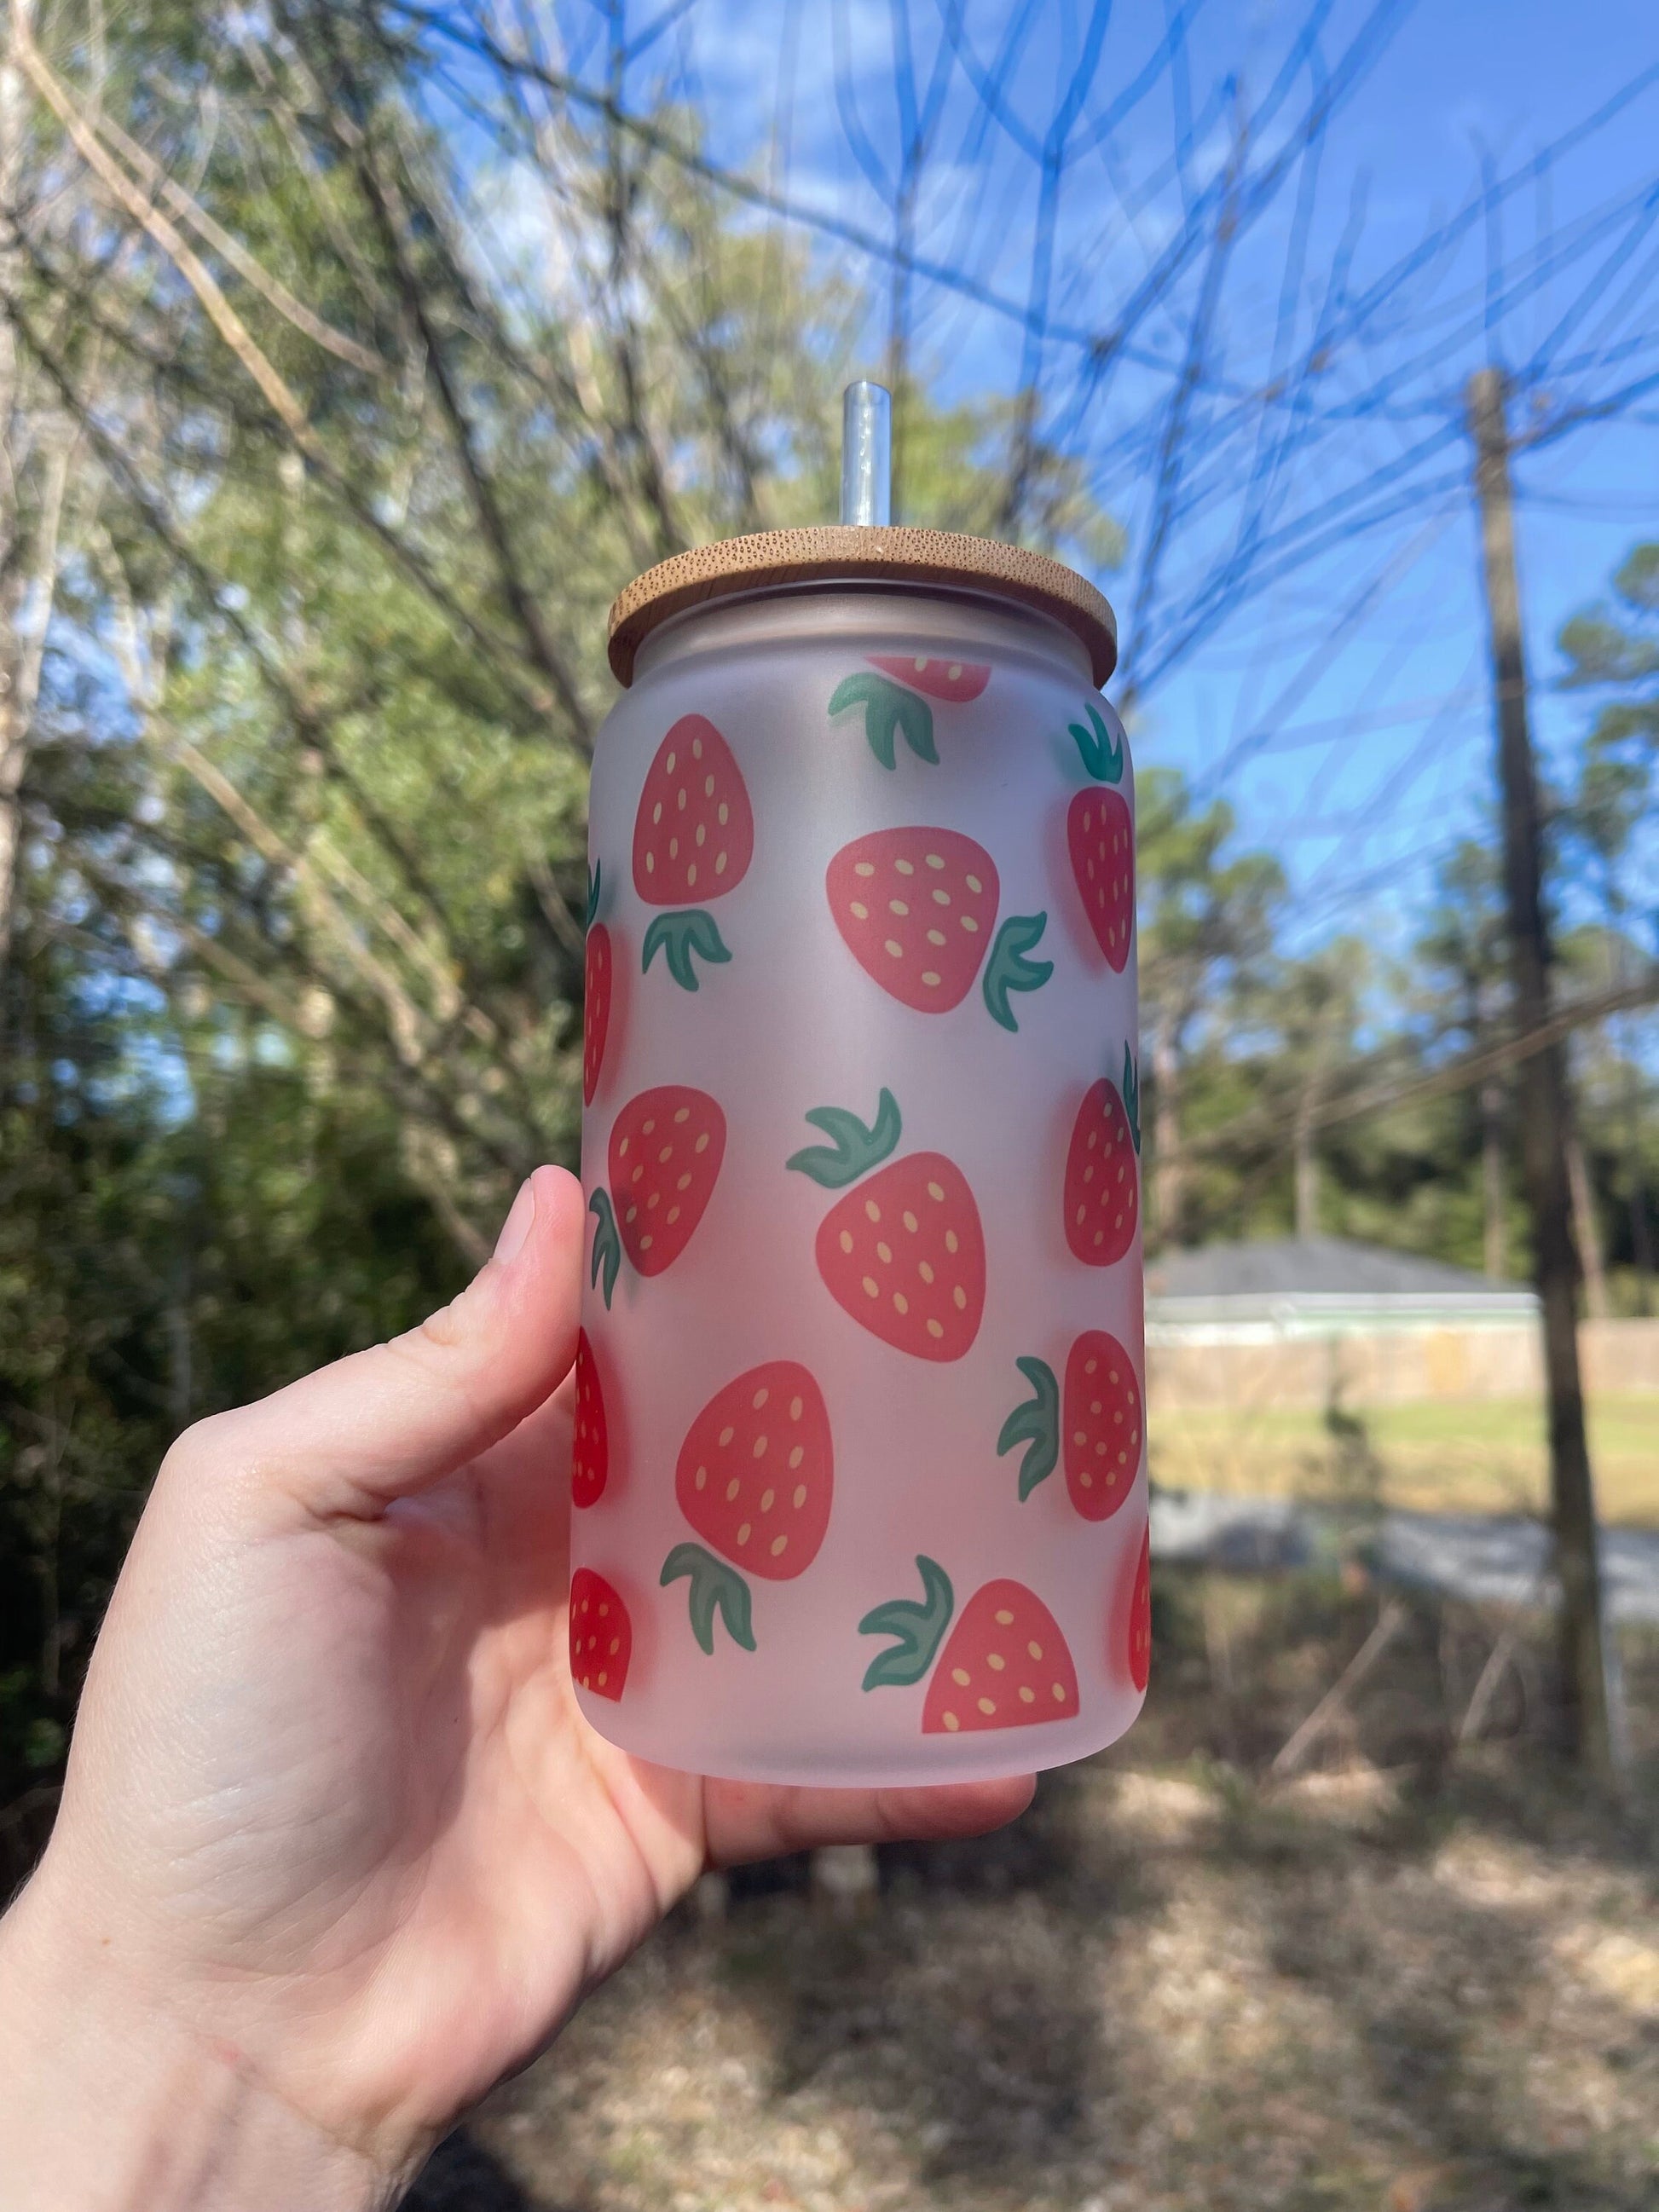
[(854, 553)]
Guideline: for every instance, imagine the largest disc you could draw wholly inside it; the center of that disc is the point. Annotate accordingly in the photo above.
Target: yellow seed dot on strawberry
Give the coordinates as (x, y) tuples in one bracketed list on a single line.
[(759, 1398), (799, 1497), (872, 1210), (780, 1544), (797, 1455), (674, 849), (859, 912), (656, 813), (601, 1678), (719, 864), (974, 883), (1100, 1450), (987, 1706), (996, 1661), (846, 1240), (864, 868), (614, 1644), (702, 1145), (700, 1479), (935, 1328), (924, 1270), (1090, 1365), (936, 937), (709, 787), (909, 1221), (767, 1499), (901, 1303), (732, 1489), (905, 867), (681, 801), (951, 1240), (895, 948), (898, 907), (959, 1676), (871, 1287), (959, 1299), (1059, 1693), (970, 924), (691, 875), (1086, 1480), (685, 1183), (950, 1721), (727, 1433), (760, 1447), (1027, 1697), (930, 979), (1078, 1437), (795, 1409), (1033, 1650), (745, 1532), (650, 864)]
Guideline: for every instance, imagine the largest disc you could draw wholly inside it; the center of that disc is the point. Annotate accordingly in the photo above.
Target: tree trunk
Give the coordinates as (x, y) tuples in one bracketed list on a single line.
[(1541, 1078), (1586, 1229), (1496, 1233), (1168, 1172), (1641, 1228), (1307, 1170)]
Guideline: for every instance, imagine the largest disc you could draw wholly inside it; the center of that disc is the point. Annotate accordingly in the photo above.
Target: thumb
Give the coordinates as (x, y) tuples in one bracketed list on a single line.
[(349, 1438)]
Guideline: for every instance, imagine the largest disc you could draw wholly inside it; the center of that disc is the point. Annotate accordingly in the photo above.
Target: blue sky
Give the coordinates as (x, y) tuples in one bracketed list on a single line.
[(1342, 710)]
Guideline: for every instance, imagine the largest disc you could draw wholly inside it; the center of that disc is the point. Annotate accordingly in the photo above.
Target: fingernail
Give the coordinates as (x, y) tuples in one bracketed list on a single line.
[(516, 1227)]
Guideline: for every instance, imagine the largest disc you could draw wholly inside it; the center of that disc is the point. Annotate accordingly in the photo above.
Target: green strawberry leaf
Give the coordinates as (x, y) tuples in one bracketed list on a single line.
[(715, 1588), (919, 1628), (1008, 968), (1132, 1095), (1103, 753), (854, 1147), (593, 875), (607, 1245), (680, 935), (889, 710), (1035, 1424)]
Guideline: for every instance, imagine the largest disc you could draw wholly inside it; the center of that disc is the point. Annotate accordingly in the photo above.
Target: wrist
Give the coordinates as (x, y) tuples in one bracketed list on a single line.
[(111, 2103)]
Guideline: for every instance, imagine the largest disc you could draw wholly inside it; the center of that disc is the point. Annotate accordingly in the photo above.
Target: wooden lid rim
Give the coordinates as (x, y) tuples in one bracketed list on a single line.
[(853, 553)]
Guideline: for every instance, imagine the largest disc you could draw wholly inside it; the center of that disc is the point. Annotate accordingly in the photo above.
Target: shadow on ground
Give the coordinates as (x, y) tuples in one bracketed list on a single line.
[(1416, 1979)]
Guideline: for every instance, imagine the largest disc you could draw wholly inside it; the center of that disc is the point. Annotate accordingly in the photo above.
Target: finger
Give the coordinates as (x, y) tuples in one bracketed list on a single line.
[(393, 1419), (751, 1820)]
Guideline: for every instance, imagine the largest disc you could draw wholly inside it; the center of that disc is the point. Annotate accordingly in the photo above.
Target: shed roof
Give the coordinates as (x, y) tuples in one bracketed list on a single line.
[(1319, 1267)]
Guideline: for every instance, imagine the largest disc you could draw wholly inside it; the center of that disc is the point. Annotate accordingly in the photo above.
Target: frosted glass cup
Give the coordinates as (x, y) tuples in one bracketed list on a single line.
[(859, 1487)]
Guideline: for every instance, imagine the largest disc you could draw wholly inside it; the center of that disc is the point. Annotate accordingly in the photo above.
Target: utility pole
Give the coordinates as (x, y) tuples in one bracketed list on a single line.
[(1542, 1089)]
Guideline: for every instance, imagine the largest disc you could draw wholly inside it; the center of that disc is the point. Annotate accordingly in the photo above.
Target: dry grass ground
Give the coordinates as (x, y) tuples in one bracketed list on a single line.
[(1414, 1980), (1481, 1457)]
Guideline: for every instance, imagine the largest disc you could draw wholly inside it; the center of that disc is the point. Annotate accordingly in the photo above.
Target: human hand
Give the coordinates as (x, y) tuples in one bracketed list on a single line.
[(337, 1848)]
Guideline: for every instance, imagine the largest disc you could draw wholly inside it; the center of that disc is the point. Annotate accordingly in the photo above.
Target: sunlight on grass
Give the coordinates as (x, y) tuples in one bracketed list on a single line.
[(1487, 1457)]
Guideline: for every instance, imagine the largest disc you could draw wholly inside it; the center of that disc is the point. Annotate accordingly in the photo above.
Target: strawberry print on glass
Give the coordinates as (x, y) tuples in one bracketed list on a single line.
[(903, 1253), (755, 1479), (694, 837), (917, 909)]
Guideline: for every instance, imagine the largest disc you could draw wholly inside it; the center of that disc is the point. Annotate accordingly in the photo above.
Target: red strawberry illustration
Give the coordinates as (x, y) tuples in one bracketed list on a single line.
[(1100, 839), (666, 1146), (1007, 1664), (1099, 1420), (953, 682), (694, 837), (601, 1635), (590, 1443), (905, 1252), (597, 969), (917, 906), (755, 1479), (1136, 1653), (1102, 1183)]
